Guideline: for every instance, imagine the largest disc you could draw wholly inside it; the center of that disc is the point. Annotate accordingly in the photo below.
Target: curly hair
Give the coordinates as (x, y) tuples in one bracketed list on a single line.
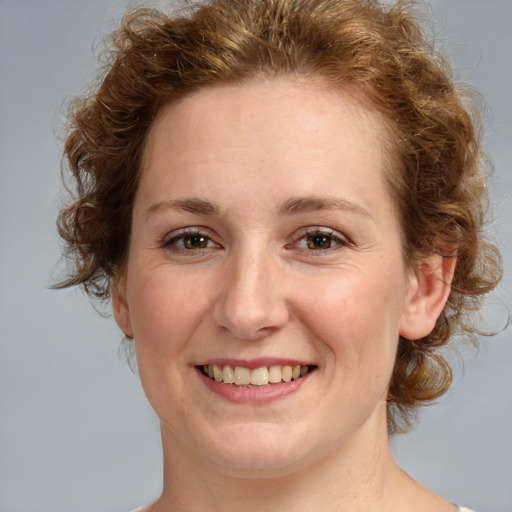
[(437, 176)]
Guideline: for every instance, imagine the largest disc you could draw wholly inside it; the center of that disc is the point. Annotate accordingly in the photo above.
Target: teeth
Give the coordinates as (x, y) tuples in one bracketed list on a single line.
[(228, 377), (242, 376), (274, 374), (263, 376), (259, 376), (217, 373), (286, 373)]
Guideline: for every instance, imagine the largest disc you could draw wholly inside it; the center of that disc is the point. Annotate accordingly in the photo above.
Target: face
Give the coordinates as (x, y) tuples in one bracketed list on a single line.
[(265, 250)]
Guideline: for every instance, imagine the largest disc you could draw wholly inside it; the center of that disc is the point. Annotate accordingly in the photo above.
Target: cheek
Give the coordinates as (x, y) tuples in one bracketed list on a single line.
[(165, 312), (357, 319)]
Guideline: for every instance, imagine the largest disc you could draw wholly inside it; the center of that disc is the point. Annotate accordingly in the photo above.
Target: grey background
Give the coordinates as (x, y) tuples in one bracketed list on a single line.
[(76, 433)]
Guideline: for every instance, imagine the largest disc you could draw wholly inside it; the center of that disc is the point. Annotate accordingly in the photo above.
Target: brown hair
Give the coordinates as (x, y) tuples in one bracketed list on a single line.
[(382, 53)]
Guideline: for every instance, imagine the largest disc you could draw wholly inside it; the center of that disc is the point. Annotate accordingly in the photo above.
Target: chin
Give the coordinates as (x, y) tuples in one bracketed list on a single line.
[(260, 450)]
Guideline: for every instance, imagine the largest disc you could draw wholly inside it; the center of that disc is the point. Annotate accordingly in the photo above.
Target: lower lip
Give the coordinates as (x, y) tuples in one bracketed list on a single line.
[(256, 395)]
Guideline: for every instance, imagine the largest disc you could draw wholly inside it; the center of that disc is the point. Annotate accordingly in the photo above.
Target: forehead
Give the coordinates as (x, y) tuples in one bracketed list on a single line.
[(280, 130), (266, 105), (310, 102)]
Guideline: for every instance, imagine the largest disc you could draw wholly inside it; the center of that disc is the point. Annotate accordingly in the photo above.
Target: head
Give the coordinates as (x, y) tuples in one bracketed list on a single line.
[(377, 56)]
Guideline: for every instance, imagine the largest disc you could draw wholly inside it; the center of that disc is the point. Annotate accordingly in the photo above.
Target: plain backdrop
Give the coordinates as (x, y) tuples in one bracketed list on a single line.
[(76, 433)]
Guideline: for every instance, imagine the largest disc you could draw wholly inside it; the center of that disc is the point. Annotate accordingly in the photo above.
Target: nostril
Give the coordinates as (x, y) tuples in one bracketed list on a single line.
[(250, 321)]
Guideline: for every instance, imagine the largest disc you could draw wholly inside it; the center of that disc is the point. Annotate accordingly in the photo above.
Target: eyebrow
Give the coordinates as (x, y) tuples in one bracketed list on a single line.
[(292, 206), (313, 203), (189, 204)]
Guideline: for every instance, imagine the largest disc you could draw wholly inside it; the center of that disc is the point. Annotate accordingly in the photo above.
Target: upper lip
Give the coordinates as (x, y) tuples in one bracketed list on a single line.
[(254, 363)]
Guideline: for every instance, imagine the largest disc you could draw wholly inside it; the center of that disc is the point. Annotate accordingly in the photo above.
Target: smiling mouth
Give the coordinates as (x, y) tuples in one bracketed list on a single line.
[(264, 376)]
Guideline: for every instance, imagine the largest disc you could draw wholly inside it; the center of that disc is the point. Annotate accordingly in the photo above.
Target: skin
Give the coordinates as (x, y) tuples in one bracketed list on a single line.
[(228, 164)]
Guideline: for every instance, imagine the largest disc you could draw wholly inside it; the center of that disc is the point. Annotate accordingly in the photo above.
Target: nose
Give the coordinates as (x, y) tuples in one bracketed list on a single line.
[(252, 302)]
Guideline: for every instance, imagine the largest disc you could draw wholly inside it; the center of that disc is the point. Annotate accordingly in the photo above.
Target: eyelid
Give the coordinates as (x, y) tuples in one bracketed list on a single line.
[(340, 239), (168, 241)]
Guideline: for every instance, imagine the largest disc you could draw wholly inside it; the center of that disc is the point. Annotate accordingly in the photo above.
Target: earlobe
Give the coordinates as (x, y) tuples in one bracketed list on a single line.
[(430, 289), (120, 308)]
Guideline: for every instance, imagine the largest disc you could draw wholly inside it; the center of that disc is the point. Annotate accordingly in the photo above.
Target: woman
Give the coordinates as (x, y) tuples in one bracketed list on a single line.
[(284, 201)]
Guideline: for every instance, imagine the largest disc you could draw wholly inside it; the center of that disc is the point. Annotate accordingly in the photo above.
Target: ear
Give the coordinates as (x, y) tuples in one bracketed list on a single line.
[(120, 308), (430, 289)]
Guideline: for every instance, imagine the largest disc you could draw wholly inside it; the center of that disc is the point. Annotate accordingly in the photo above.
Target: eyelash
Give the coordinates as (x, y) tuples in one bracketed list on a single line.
[(327, 233), (172, 241)]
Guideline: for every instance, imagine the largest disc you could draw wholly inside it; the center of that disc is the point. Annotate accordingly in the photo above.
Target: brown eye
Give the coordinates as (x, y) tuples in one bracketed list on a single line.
[(319, 241), (189, 242), (195, 242)]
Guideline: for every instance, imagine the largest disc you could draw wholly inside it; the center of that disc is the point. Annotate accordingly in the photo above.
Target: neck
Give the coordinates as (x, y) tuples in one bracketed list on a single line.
[(360, 476)]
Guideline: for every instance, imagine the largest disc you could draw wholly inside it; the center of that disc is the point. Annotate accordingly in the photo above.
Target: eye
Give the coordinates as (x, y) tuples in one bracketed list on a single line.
[(187, 241), (319, 239), (194, 241)]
